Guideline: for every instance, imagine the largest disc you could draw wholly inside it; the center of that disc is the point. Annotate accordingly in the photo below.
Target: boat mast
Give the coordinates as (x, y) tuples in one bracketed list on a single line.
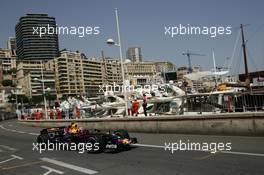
[(247, 80)]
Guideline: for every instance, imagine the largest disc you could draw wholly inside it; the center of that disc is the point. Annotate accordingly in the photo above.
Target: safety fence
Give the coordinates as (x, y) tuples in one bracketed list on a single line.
[(229, 102), (7, 115)]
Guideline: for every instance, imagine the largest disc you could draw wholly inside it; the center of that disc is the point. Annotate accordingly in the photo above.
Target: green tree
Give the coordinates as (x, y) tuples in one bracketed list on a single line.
[(7, 82), (36, 99), (20, 98)]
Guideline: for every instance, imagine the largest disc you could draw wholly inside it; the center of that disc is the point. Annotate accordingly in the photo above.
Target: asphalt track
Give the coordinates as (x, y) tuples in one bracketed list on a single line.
[(148, 157)]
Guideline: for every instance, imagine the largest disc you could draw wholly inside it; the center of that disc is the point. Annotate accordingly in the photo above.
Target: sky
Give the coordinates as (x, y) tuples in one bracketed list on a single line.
[(142, 24)]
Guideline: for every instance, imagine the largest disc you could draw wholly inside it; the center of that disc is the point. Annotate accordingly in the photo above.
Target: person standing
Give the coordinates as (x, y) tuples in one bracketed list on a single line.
[(129, 107), (144, 105), (135, 107), (51, 114), (58, 113)]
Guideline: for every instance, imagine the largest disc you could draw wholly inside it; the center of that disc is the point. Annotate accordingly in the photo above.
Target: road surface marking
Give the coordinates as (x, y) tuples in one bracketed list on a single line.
[(1, 126), (17, 131), (13, 157), (150, 146), (242, 153), (50, 170), (207, 156), (224, 152), (22, 165), (34, 134), (69, 166), (8, 148)]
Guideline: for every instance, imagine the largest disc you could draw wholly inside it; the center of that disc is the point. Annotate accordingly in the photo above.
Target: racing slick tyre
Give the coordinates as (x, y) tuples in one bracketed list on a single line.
[(98, 144), (122, 133), (42, 139)]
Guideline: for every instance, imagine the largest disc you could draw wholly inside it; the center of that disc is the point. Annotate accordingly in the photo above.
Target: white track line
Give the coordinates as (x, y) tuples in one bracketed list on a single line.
[(12, 158), (242, 153), (150, 146), (224, 152), (69, 166), (17, 131), (8, 148), (50, 170)]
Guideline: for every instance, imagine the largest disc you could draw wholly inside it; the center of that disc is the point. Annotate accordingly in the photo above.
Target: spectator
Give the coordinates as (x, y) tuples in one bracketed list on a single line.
[(51, 114), (37, 115), (144, 104), (78, 112), (63, 114), (129, 106), (58, 113), (135, 107)]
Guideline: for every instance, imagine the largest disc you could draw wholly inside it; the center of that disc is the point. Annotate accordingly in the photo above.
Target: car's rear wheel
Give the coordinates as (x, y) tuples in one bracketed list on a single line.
[(42, 139)]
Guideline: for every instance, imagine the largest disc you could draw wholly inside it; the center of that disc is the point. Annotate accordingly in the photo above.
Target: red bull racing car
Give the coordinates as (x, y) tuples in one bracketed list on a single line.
[(116, 141)]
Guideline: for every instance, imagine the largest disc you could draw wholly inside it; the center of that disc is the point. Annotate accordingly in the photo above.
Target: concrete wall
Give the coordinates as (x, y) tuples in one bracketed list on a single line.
[(217, 124)]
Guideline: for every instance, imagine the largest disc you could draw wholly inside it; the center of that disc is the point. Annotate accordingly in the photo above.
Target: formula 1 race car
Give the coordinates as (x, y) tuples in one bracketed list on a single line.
[(116, 141)]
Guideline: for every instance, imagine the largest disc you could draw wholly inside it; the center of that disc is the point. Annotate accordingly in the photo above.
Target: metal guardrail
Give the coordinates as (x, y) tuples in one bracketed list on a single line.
[(236, 102), (7, 115)]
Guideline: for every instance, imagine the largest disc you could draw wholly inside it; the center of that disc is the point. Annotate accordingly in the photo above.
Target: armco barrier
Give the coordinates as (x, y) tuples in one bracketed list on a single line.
[(217, 124), (7, 115)]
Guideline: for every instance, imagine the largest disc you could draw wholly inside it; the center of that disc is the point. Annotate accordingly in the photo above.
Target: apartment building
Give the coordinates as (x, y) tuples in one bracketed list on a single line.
[(77, 75), (147, 72), (32, 76), (7, 64)]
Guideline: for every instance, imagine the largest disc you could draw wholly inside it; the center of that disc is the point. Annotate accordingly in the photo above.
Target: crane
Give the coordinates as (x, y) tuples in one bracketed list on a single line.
[(188, 54)]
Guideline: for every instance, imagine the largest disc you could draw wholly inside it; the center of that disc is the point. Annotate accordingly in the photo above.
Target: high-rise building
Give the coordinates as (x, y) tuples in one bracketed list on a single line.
[(30, 44), (134, 54)]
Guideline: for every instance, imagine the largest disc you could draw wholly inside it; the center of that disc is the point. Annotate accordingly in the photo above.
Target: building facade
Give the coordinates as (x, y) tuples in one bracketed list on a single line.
[(147, 72), (78, 75), (30, 45), (134, 54), (11, 45), (7, 65), (31, 76)]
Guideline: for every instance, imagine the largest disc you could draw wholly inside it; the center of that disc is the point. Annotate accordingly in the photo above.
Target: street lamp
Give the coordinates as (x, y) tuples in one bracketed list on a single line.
[(16, 93), (43, 89), (112, 42)]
